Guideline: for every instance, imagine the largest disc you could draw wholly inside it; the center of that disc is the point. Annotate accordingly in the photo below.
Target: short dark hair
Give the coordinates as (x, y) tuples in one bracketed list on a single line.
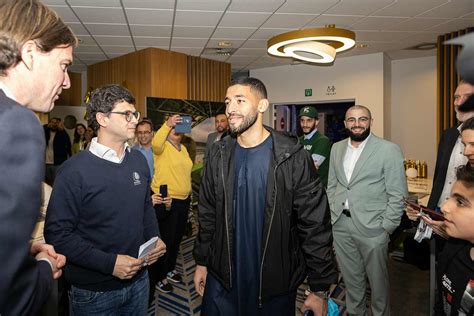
[(104, 99), (145, 121), (254, 84), (465, 174), (467, 124)]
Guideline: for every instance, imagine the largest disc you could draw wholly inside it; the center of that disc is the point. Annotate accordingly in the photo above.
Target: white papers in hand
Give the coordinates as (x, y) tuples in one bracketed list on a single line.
[(147, 247), (318, 159)]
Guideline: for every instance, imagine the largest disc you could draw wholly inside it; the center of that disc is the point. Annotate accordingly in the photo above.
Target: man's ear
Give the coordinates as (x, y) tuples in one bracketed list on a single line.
[(101, 119), (263, 105), (29, 51)]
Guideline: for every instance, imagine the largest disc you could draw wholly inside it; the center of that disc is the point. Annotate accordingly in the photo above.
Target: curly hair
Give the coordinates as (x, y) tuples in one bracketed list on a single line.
[(24, 20), (104, 99)]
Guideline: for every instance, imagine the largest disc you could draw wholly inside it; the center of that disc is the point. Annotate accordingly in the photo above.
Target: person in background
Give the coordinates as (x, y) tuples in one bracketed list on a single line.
[(318, 145), (366, 188), (101, 212), (144, 133), (222, 126), (172, 168), (36, 51), (58, 148), (79, 142), (264, 223)]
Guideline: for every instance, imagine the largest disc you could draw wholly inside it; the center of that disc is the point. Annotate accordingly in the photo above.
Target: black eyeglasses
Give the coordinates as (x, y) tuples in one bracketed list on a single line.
[(129, 115)]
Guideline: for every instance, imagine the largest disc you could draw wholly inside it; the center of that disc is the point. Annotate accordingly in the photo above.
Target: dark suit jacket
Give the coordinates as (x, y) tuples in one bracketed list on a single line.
[(445, 147), (61, 145), (25, 283)]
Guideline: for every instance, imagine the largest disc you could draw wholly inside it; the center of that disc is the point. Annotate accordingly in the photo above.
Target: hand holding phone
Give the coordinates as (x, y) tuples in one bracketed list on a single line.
[(184, 126), (437, 216)]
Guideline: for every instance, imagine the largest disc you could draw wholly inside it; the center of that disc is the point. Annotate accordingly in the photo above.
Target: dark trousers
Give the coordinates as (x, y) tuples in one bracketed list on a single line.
[(172, 225)]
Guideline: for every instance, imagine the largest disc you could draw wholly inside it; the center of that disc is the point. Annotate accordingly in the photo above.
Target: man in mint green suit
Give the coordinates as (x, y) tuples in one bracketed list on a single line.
[(365, 189)]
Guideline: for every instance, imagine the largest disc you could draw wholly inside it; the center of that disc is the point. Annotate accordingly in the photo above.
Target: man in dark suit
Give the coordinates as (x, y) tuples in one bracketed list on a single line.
[(222, 125), (450, 150), (36, 52), (58, 148)]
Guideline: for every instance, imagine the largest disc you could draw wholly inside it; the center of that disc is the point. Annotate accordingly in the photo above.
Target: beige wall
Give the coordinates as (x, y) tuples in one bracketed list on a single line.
[(359, 78), (401, 95), (413, 115)]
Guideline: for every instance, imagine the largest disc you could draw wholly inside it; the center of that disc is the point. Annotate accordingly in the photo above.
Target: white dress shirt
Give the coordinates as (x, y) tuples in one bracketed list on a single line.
[(107, 153), (456, 160), (350, 160), (6, 91)]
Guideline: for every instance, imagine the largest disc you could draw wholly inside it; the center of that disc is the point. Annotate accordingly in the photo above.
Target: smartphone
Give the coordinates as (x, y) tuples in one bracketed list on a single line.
[(437, 216), (185, 126), (164, 190)]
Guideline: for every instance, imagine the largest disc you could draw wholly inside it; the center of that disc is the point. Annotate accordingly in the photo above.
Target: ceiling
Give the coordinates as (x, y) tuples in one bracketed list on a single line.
[(111, 28)]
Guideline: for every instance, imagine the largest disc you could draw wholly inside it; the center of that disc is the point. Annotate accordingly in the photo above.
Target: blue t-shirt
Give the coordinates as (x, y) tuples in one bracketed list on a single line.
[(250, 187), (148, 153)]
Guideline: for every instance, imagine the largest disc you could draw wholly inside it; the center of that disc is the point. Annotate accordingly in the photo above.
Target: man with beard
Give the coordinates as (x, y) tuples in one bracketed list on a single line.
[(222, 125), (365, 190), (314, 142), (264, 222), (58, 148)]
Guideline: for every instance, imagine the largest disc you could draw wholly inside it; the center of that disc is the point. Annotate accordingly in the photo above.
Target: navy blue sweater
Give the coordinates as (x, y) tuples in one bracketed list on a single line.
[(99, 209)]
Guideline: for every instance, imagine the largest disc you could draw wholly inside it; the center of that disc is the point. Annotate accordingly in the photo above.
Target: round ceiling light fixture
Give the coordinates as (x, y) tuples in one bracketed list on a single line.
[(325, 38), (306, 51)]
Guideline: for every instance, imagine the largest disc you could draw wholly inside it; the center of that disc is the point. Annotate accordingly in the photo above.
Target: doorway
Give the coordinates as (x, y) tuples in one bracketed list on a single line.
[(331, 118)]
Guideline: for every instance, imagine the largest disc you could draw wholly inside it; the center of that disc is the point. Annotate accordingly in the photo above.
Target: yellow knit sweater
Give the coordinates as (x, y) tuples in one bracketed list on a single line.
[(172, 167)]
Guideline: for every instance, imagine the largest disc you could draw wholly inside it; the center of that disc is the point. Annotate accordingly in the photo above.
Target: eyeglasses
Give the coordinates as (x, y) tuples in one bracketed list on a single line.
[(144, 133), (129, 115), (363, 119)]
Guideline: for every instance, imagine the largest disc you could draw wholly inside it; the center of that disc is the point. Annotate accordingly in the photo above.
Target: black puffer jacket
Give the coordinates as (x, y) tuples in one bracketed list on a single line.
[(297, 238)]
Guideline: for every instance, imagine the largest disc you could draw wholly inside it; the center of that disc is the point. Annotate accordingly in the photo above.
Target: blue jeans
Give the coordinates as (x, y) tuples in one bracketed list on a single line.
[(130, 300)]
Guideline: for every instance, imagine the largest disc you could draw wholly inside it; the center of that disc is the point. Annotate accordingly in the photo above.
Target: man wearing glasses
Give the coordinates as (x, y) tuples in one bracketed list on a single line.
[(144, 134), (101, 211), (366, 187)]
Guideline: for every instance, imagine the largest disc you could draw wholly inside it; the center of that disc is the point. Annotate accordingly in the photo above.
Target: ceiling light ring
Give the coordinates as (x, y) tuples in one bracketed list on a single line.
[(339, 39), (326, 52)]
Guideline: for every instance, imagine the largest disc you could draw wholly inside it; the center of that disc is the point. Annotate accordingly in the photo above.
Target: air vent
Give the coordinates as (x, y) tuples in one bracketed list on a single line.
[(219, 51), (422, 46)]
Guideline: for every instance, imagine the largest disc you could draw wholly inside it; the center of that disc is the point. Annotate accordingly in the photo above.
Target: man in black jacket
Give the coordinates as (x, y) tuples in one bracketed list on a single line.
[(58, 148), (264, 222)]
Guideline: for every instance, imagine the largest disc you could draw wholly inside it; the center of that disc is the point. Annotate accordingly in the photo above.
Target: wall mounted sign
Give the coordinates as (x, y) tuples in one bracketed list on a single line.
[(308, 92)]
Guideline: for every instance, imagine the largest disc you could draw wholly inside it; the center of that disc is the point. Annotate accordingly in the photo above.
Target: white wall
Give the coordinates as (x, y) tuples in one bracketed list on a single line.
[(413, 115), (358, 77)]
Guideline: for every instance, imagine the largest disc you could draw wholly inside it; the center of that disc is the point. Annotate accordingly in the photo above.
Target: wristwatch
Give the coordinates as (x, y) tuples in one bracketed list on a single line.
[(322, 294)]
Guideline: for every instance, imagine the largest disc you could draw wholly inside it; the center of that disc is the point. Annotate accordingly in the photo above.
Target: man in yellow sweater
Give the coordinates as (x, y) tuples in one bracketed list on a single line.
[(172, 168)]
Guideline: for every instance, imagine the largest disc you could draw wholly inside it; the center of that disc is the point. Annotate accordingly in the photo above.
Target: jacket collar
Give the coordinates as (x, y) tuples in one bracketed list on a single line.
[(284, 144)]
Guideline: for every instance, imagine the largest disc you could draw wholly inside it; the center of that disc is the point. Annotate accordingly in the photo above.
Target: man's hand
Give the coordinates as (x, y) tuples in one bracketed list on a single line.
[(412, 214), (316, 304), (126, 267), (200, 276), (47, 251), (153, 255), (438, 226), (55, 265), (173, 120)]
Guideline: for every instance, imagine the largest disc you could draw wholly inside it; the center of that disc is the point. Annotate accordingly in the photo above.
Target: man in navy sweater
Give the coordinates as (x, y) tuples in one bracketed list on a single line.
[(101, 211)]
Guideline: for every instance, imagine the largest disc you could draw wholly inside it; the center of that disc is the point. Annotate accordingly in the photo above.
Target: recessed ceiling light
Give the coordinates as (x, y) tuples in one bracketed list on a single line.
[(224, 44)]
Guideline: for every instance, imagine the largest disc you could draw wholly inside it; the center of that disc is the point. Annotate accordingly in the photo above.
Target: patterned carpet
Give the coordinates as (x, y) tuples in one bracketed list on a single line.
[(185, 301)]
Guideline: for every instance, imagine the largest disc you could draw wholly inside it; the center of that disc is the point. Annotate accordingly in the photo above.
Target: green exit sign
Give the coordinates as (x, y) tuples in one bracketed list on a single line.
[(308, 92)]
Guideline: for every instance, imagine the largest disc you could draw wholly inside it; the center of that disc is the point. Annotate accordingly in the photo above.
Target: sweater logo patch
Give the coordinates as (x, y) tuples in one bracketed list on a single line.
[(136, 179)]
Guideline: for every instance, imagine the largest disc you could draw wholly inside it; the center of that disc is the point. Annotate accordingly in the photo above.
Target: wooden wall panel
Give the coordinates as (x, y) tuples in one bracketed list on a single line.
[(168, 74), (207, 79), (448, 80), (131, 71), (73, 95)]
